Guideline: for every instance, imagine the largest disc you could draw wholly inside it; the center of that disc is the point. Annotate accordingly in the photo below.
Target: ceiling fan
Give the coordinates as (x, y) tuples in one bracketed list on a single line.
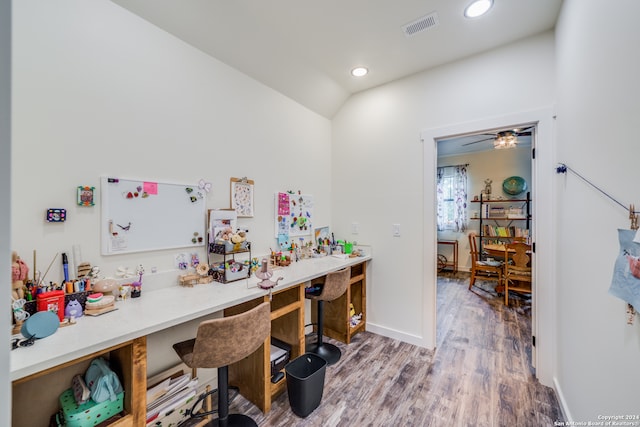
[(504, 138)]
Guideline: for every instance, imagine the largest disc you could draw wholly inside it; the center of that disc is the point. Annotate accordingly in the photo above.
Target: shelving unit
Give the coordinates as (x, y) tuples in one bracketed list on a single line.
[(219, 253), (32, 406), (502, 221), (252, 375), (337, 319)]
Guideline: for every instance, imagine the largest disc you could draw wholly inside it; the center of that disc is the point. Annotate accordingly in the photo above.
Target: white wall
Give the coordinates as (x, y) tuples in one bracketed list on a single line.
[(598, 91), (496, 165), (379, 168), (5, 194), (99, 91)]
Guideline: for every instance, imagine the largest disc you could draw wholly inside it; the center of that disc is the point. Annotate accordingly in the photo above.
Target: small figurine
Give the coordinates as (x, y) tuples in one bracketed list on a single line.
[(136, 287), (19, 274), (487, 186)]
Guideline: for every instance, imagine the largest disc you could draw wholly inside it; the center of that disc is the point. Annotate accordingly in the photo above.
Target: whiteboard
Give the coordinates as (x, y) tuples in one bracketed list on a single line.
[(142, 215)]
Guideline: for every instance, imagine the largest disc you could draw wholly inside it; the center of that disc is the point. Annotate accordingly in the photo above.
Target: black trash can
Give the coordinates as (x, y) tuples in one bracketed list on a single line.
[(305, 383)]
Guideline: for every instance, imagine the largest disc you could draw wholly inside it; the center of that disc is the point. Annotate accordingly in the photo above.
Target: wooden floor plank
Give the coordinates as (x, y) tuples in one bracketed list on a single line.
[(479, 375)]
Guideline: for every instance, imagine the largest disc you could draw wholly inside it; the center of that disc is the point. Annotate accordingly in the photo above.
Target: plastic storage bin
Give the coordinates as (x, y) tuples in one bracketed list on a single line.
[(89, 413), (305, 383), (52, 301)]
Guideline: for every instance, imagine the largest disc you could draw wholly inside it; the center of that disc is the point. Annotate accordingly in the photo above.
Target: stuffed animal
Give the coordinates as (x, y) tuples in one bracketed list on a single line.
[(73, 309), (19, 273), (225, 234), (238, 237)]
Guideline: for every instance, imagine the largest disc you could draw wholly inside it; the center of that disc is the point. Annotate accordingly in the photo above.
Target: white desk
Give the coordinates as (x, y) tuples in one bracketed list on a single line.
[(154, 311)]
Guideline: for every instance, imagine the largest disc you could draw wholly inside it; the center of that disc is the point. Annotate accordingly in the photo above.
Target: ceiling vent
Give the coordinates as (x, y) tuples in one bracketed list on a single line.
[(421, 24)]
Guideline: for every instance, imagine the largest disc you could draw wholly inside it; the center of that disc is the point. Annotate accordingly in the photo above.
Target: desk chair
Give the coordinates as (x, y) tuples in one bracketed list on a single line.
[(517, 269), (480, 268), (332, 287), (219, 343)]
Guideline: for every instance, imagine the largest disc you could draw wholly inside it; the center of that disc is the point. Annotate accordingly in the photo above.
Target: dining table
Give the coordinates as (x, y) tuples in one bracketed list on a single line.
[(496, 251)]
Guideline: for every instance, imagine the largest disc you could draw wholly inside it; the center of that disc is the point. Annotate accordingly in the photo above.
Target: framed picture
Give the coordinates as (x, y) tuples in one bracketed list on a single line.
[(322, 235), (242, 196), (85, 195)]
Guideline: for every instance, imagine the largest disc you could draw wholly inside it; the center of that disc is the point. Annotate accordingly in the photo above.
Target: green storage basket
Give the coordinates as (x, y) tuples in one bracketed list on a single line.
[(90, 413)]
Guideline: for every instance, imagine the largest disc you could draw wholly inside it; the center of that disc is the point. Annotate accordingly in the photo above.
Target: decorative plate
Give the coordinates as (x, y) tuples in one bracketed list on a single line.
[(514, 185)]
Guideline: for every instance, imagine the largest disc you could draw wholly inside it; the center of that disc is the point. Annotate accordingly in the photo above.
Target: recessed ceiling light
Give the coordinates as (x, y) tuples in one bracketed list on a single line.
[(478, 8), (359, 72)]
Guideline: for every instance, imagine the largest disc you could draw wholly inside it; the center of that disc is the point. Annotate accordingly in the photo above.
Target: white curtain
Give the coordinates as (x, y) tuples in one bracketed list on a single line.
[(452, 198)]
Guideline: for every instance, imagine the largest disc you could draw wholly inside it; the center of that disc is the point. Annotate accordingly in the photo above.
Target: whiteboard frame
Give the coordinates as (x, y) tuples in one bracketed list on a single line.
[(105, 234)]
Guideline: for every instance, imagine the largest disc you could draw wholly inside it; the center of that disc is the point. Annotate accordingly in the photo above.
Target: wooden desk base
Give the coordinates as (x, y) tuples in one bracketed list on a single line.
[(33, 406), (252, 375)]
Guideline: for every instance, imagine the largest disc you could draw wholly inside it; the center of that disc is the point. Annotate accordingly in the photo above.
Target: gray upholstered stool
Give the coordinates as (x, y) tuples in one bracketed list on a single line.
[(334, 285), (219, 343)]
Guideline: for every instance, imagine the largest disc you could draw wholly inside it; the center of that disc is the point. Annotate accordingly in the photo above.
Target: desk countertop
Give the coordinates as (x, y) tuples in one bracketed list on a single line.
[(157, 310)]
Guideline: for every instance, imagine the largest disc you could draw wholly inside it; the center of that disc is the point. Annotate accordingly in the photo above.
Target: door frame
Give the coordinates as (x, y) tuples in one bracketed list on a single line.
[(543, 195)]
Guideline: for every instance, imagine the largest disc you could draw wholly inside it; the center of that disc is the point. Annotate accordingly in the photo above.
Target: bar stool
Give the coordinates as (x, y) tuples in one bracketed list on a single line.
[(334, 285), (219, 343)]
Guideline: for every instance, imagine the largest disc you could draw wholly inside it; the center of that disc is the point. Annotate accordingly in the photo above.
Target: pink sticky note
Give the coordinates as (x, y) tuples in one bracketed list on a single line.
[(151, 187)]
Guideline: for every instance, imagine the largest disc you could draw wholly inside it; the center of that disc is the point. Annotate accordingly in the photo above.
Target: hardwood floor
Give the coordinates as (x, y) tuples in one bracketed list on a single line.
[(480, 374)]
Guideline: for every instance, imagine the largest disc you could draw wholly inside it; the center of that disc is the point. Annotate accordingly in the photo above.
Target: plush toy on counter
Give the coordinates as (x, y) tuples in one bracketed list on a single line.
[(238, 237), (224, 235), (19, 274)]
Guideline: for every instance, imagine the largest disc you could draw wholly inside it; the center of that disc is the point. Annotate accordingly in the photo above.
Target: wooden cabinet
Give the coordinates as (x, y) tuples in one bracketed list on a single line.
[(35, 398), (252, 375), (503, 219), (337, 317)]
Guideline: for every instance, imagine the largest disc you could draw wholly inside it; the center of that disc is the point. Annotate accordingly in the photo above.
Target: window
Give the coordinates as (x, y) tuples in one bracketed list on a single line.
[(452, 198)]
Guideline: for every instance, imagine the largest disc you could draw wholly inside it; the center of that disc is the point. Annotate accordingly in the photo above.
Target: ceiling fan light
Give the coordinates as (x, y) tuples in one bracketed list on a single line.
[(478, 8), (506, 139)]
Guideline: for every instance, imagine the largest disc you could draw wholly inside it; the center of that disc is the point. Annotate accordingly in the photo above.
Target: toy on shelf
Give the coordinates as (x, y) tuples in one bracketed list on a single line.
[(201, 276), (136, 287), (98, 303), (279, 259)]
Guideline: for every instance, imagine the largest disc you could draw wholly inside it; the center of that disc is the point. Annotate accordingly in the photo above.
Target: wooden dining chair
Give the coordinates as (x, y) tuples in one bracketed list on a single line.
[(517, 269), (479, 268)]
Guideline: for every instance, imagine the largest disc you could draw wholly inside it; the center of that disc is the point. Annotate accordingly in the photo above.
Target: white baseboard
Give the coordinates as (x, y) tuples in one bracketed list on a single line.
[(563, 403), (397, 335)]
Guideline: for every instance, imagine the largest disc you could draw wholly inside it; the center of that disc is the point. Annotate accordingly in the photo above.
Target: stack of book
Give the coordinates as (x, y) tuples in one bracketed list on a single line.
[(172, 397)]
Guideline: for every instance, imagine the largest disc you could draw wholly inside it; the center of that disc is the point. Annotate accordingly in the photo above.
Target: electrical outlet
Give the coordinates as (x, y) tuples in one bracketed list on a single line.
[(355, 227), (396, 230)]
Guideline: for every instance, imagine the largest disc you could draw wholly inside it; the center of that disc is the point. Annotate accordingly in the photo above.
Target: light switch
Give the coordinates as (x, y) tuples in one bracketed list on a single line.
[(396, 230), (355, 227)]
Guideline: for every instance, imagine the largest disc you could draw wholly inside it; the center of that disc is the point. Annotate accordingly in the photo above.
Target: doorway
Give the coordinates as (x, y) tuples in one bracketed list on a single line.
[(543, 312), (472, 171)]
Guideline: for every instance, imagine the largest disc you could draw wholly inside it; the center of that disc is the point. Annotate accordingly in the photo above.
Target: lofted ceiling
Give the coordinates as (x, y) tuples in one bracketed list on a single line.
[(305, 50)]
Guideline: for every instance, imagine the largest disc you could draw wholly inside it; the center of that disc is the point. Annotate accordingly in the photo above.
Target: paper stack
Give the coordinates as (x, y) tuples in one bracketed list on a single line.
[(168, 396)]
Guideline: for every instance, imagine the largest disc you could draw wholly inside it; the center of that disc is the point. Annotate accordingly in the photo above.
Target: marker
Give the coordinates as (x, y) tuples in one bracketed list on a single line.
[(65, 267)]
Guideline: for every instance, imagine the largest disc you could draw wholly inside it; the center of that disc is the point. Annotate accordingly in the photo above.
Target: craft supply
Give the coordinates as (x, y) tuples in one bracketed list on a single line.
[(65, 267), (93, 298), (52, 301), (40, 325), (48, 268)]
